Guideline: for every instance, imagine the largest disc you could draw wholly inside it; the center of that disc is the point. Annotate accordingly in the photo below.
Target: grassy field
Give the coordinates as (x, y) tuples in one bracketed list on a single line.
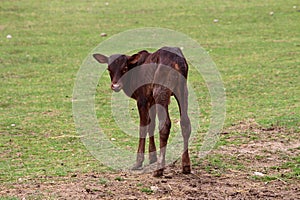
[(255, 45)]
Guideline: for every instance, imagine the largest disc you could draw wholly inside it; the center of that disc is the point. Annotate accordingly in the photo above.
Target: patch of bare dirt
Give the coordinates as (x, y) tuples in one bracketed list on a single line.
[(2, 27), (270, 147), (261, 148), (174, 185)]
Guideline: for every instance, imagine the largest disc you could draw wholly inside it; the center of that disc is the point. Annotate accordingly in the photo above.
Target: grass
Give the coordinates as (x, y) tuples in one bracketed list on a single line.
[(119, 178), (8, 198), (256, 53), (146, 190), (103, 181)]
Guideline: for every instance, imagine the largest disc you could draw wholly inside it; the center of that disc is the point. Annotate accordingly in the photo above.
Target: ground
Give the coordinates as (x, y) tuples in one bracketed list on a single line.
[(257, 178), (255, 45), (174, 185)]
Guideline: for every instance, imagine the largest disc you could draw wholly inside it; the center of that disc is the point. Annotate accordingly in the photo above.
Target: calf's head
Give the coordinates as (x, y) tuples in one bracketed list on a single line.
[(118, 65)]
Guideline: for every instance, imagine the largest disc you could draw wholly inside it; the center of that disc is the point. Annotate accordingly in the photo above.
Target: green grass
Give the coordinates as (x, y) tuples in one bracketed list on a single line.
[(8, 198), (119, 178), (257, 55), (146, 190), (103, 181)]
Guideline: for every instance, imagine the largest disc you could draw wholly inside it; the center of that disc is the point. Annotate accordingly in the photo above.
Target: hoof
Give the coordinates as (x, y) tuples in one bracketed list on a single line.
[(152, 157), (158, 173), (186, 169), (152, 160), (137, 167)]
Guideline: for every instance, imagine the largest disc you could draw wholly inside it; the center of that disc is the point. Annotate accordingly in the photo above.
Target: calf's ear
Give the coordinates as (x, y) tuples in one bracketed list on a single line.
[(100, 58), (134, 59)]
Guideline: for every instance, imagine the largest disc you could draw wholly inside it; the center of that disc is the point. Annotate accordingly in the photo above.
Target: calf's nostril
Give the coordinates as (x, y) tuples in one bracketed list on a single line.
[(116, 85)]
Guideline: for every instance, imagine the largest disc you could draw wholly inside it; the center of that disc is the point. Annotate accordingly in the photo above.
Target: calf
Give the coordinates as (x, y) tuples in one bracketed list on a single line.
[(151, 79)]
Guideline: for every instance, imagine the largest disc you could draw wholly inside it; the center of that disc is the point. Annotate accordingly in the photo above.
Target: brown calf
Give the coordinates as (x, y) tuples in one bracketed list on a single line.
[(151, 79)]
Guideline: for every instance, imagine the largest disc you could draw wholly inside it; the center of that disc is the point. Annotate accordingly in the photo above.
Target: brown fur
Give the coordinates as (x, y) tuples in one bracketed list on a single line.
[(162, 83)]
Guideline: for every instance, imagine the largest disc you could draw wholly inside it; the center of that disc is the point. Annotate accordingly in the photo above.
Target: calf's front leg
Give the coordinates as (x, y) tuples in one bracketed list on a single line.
[(141, 150), (144, 121)]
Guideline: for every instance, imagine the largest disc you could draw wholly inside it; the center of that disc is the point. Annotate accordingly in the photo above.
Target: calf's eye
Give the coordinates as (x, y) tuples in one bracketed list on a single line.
[(124, 70)]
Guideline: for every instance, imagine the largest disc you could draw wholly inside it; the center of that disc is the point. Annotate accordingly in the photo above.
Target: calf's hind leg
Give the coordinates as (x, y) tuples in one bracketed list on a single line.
[(182, 100), (186, 131), (162, 97), (151, 128)]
